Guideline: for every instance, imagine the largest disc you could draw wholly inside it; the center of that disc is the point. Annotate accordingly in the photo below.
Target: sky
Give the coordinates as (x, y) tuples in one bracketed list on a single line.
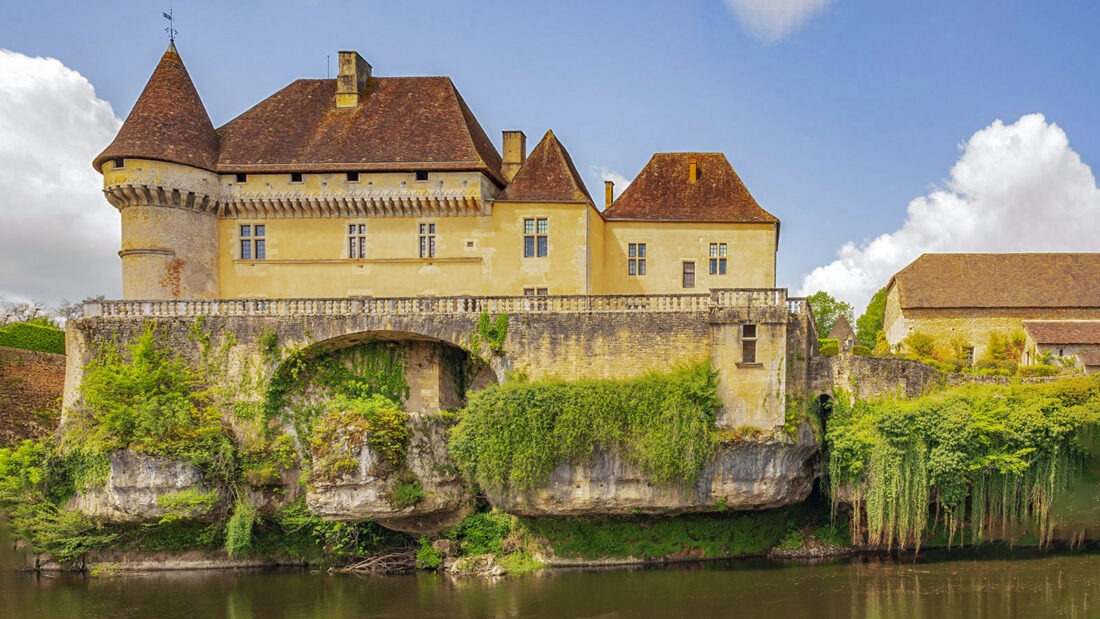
[(874, 131)]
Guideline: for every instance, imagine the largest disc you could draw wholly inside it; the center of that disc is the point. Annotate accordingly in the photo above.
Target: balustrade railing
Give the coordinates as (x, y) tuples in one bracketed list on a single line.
[(445, 305)]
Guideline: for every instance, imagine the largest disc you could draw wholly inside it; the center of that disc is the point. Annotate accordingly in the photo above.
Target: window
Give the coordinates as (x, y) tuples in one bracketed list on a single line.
[(968, 354), (427, 240), (535, 242), (242, 178), (353, 177), (635, 262), (535, 292), (295, 177), (717, 258), (421, 175), (748, 343), (118, 162), (253, 243), (357, 241), (689, 274)]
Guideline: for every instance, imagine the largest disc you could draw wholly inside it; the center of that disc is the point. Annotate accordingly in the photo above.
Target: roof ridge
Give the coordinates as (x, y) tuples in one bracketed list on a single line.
[(548, 174)]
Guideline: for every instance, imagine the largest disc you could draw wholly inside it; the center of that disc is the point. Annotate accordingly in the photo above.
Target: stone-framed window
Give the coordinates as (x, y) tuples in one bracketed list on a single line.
[(717, 258), (427, 240), (748, 343), (635, 261), (253, 241), (689, 274), (536, 292), (536, 231), (357, 241)]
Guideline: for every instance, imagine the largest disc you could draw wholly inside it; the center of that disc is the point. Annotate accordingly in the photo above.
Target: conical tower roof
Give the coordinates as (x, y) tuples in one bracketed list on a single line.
[(548, 175), (168, 122)]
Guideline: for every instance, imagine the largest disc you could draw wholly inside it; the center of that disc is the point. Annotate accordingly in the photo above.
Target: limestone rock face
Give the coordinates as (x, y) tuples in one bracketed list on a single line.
[(133, 486), (367, 494), (763, 473)]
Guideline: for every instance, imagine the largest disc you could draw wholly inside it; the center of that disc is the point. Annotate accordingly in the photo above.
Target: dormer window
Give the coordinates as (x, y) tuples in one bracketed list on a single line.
[(242, 178), (295, 177), (421, 175), (117, 162), (353, 177)]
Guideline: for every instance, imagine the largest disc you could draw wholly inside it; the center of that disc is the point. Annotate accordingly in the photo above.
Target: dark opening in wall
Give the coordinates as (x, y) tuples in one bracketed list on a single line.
[(421, 175), (117, 162), (295, 177), (353, 177), (241, 178)]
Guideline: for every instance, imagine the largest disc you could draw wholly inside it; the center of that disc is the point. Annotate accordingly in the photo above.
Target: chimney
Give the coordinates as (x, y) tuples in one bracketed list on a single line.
[(515, 153), (608, 193), (352, 80), (693, 170)]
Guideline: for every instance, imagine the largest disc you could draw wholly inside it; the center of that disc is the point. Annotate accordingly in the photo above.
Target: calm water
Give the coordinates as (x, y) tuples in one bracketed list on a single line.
[(1066, 585)]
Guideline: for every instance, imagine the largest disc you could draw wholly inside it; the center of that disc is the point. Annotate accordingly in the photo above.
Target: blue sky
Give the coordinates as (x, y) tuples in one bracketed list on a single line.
[(836, 123)]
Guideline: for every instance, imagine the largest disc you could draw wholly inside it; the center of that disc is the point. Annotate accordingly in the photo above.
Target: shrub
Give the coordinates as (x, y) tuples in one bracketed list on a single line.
[(1038, 370), (238, 531), (33, 336), (351, 423), (482, 533), (920, 344), (427, 557), (860, 350), (407, 493), (828, 347)]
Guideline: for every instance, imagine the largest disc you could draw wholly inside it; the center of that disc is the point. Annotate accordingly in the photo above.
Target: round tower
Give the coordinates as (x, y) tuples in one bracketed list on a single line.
[(159, 173)]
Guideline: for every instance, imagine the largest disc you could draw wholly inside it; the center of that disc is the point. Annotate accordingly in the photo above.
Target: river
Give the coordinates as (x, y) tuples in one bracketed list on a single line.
[(938, 586)]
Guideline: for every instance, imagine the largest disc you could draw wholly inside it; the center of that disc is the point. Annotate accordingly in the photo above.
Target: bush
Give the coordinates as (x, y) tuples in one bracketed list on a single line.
[(427, 557), (993, 367), (920, 344), (860, 350), (1038, 370), (513, 435), (351, 423), (33, 336), (482, 533), (828, 347)]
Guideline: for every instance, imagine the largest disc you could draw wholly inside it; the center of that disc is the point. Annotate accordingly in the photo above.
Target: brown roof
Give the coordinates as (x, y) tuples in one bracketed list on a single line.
[(548, 175), (402, 123), (168, 122), (841, 329), (1063, 331), (1000, 280), (1089, 357), (662, 192)]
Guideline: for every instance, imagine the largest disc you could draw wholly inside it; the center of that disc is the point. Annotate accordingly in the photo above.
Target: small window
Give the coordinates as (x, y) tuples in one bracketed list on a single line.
[(535, 237), (242, 178), (421, 175), (118, 162), (253, 242), (353, 177), (968, 354), (427, 240), (536, 292), (635, 263), (718, 258), (748, 343), (295, 177), (689, 274), (357, 241)]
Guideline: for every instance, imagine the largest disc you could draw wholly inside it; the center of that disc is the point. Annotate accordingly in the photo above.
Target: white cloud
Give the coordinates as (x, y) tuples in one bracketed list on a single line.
[(1017, 187), (773, 20), (58, 236), (606, 174)]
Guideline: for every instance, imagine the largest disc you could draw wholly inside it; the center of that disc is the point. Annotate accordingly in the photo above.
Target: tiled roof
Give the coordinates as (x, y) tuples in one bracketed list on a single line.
[(663, 192), (1089, 357), (841, 330), (168, 122), (1000, 280), (401, 124), (548, 175), (1063, 331)]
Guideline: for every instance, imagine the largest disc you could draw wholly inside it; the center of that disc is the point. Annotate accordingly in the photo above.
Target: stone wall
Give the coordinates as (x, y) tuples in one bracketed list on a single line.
[(30, 393)]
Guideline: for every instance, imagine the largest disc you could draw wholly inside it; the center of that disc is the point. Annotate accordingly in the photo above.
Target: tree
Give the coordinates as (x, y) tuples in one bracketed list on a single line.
[(870, 323), (827, 310)]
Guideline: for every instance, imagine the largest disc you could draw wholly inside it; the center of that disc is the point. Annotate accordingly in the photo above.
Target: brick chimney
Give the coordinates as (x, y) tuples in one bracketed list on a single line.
[(693, 170), (515, 153), (608, 193), (352, 80)]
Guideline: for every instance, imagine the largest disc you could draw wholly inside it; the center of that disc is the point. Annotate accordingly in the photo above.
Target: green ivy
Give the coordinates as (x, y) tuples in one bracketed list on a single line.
[(351, 423), (513, 435), (490, 331)]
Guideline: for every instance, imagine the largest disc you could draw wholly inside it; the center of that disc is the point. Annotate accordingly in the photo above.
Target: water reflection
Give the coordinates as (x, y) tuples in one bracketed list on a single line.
[(955, 585)]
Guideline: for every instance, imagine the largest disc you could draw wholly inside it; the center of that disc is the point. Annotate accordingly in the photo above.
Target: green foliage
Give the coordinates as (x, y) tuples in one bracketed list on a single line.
[(1038, 370), (920, 344), (1004, 346), (483, 533), (186, 504), (870, 322), (407, 493), (150, 401), (827, 310), (828, 347), (269, 346), (983, 454), (882, 347), (695, 535), (490, 331), (514, 434), (860, 350), (427, 557), (39, 335), (238, 531), (351, 423)]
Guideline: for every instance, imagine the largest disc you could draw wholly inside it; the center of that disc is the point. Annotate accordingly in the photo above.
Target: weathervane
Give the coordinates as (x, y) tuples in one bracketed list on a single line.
[(171, 29)]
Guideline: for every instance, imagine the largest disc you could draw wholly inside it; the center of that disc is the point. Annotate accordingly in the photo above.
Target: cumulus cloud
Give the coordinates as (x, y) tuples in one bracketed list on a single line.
[(1015, 188), (606, 174), (773, 20), (58, 236)]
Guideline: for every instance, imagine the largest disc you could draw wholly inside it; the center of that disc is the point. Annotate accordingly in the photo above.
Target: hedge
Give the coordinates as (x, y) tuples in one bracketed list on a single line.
[(33, 337)]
